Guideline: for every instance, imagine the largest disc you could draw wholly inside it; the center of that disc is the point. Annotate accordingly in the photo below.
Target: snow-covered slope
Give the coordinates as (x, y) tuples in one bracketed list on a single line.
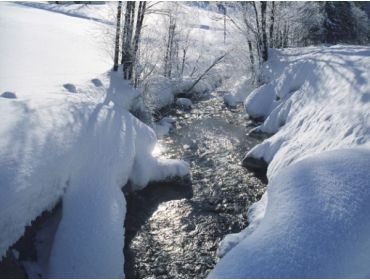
[(76, 142), (313, 220), (41, 50)]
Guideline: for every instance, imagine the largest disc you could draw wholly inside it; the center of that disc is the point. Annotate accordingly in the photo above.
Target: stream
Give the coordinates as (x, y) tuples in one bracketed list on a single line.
[(173, 228)]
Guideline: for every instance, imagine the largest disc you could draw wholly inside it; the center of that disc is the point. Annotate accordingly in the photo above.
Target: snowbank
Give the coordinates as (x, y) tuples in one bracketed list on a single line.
[(62, 138), (316, 223), (322, 104), (315, 100), (82, 148)]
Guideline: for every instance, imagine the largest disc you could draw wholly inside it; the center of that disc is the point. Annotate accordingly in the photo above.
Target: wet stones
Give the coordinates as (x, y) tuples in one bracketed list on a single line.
[(177, 235)]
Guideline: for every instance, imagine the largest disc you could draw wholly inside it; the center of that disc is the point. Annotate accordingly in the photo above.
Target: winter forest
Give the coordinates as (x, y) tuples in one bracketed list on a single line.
[(209, 139)]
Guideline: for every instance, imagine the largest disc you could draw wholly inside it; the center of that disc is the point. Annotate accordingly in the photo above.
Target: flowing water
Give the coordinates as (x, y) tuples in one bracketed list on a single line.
[(173, 228)]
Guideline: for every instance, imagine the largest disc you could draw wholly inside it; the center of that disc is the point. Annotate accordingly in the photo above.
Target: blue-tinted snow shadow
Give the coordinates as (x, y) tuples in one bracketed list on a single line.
[(72, 13)]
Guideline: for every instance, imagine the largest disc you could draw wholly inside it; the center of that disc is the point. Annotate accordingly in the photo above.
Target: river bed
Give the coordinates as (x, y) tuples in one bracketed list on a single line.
[(173, 228)]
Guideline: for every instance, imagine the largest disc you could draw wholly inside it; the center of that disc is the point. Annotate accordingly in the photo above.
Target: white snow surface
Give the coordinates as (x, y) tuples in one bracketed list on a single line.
[(316, 223), (313, 219), (50, 51), (240, 90), (324, 103), (80, 147)]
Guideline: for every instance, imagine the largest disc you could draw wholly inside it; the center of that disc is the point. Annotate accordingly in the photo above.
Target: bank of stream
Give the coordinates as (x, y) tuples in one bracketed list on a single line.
[(173, 228)]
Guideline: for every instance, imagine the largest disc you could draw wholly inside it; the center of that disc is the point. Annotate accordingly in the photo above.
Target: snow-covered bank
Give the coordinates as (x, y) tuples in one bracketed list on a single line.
[(320, 100), (316, 223), (66, 133), (312, 221), (82, 148)]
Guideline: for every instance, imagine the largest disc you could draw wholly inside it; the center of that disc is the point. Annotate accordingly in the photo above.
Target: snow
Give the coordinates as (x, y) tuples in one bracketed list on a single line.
[(184, 103), (312, 220), (9, 94), (81, 148), (70, 87), (50, 51), (260, 102), (230, 100), (164, 126), (241, 88), (327, 110), (316, 224), (84, 152)]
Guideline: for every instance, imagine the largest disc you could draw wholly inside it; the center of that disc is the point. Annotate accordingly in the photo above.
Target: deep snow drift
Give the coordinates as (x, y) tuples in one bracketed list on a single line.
[(76, 142), (82, 148), (316, 223), (313, 219)]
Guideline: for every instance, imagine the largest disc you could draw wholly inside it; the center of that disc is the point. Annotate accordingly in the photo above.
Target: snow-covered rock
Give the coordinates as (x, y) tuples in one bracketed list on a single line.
[(97, 82), (184, 103), (164, 126), (70, 87), (260, 102), (240, 89), (9, 95), (230, 100)]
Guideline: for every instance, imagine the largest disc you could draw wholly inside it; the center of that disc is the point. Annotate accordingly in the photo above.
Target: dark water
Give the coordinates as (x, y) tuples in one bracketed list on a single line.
[(173, 228)]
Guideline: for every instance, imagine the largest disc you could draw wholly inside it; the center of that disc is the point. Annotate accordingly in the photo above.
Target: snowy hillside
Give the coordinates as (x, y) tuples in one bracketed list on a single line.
[(66, 134), (44, 50), (313, 219)]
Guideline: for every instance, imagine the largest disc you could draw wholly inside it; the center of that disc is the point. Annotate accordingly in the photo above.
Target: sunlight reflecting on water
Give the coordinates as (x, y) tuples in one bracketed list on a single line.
[(173, 228), (158, 150)]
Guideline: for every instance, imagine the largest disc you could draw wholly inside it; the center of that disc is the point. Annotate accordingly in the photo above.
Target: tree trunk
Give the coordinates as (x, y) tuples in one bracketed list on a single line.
[(139, 25), (169, 49), (127, 59), (251, 57), (118, 30), (272, 19), (264, 34), (258, 34)]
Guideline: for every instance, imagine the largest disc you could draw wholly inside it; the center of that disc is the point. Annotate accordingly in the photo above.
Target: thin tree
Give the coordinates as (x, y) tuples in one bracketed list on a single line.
[(127, 55), (139, 26), (264, 33), (118, 31), (272, 20)]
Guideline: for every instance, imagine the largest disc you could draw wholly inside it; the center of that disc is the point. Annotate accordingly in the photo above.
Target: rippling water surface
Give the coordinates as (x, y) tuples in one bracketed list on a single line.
[(173, 228)]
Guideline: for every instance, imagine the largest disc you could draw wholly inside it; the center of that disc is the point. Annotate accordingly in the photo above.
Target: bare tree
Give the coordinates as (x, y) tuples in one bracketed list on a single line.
[(264, 33), (272, 20), (118, 31)]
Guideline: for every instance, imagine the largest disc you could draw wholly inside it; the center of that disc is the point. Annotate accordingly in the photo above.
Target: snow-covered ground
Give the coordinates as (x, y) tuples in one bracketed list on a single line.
[(41, 50), (313, 221), (68, 135)]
